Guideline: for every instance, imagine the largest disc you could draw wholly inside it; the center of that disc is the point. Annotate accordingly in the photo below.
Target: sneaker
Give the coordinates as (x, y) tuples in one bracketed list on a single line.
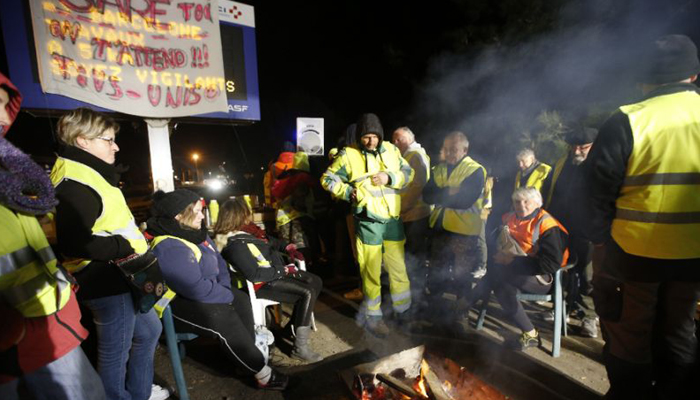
[(278, 381), (526, 341), (355, 295), (589, 327), (376, 326), (549, 317), (578, 314), (159, 393), (479, 272)]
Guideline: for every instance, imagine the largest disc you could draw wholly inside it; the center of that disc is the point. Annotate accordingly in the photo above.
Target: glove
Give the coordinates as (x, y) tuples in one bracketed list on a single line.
[(291, 249), (291, 269)]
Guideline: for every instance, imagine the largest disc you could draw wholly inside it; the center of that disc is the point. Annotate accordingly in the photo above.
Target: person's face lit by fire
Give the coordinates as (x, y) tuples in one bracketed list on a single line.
[(402, 140), (525, 162), (454, 150), (370, 141), (5, 119), (525, 205), (579, 152)]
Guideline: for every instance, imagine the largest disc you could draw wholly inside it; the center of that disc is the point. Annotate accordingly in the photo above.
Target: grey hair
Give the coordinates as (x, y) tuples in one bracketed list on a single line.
[(525, 153), (408, 131), (528, 192), (459, 137)]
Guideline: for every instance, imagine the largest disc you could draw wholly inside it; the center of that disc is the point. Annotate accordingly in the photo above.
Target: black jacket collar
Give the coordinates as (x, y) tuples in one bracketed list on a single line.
[(671, 89), (109, 172)]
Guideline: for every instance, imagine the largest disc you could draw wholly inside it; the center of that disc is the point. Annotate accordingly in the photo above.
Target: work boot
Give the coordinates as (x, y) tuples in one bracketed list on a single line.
[(277, 381), (589, 327), (301, 348), (525, 341), (376, 326)]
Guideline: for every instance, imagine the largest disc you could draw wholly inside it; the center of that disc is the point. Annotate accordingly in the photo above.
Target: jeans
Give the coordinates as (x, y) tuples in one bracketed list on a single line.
[(126, 343), (70, 377)]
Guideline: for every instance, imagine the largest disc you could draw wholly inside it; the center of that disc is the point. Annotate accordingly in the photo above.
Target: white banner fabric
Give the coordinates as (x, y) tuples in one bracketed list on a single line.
[(151, 58)]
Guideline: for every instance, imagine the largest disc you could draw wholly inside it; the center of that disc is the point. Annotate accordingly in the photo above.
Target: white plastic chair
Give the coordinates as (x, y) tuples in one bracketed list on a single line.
[(259, 305)]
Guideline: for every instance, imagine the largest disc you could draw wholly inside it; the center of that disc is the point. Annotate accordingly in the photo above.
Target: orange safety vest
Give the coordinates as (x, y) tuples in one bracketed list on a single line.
[(527, 232)]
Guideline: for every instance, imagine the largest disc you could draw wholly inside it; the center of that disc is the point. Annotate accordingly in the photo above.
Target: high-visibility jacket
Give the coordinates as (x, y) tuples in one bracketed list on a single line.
[(527, 232), (115, 219), (658, 209), (558, 167), (170, 294), (413, 207), (352, 170), (536, 178), (30, 280), (464, 222), (287, 212)]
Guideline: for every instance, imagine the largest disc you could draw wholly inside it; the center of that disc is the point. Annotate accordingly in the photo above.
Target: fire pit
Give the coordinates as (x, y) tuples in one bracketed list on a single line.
[(415, 374)]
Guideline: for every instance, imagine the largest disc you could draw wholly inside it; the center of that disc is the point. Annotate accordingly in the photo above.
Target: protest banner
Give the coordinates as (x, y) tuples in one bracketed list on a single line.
[(151, 58)]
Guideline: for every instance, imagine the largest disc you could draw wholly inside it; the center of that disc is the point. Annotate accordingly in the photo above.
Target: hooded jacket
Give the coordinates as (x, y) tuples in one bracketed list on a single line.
[(14, 103), (353, 168)]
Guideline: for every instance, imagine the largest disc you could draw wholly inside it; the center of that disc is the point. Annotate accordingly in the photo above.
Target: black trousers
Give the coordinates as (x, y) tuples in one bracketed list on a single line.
[(576, 279), (505, 284), (415, 252), (302, 291), (231, 324)]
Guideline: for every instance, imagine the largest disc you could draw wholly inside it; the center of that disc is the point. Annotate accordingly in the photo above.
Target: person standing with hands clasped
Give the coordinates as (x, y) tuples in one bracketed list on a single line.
[(645, 225)]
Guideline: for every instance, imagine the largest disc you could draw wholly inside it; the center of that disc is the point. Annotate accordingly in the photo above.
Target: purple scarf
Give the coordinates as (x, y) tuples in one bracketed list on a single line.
[(24, 185)]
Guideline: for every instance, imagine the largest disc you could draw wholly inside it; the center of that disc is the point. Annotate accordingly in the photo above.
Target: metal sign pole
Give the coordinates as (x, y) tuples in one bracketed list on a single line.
[(161, 159)]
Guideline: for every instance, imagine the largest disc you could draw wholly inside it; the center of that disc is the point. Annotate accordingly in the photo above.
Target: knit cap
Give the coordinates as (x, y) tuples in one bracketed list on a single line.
[(173, 203), (671, 58)]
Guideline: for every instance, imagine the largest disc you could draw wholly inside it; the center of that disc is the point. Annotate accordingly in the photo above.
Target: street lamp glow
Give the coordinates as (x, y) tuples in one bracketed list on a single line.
[(195, 157)]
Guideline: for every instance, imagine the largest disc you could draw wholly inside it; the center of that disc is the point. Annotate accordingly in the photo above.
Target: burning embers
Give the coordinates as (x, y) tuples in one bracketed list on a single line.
[(407, 375)]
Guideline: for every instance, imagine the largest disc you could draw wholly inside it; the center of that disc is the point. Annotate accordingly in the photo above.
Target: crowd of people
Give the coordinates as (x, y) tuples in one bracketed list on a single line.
[(620, 209)]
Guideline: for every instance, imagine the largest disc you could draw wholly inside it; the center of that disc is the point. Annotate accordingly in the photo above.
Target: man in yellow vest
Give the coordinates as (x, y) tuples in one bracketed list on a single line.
[(414, 211), (456, 190), (531, 172), (369, 174), (645, 224), (564, 190), (41, 332)]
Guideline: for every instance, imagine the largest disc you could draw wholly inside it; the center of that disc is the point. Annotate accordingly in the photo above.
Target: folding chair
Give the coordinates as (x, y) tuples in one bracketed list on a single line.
[(176, 350), (559, 306)]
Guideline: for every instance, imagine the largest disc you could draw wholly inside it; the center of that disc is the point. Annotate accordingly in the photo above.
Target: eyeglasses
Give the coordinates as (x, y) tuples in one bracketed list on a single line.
[(109, 140)]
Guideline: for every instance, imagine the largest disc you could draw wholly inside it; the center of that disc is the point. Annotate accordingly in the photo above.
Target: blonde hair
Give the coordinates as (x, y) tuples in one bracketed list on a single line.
[(84, 122), (187, 216), (233, 215)]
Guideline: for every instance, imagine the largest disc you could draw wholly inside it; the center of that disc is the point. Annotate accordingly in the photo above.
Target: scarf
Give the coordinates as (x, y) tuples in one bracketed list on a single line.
[(254, 230), (24, 185), (159, 226)]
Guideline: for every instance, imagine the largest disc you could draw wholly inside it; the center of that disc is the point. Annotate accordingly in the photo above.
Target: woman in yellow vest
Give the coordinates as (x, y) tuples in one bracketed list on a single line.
[(532, 246), (94, 226), (206, 303), (259, 258)]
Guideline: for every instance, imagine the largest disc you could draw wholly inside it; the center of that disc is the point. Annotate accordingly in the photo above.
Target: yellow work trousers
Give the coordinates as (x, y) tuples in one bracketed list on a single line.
[(377, 242)]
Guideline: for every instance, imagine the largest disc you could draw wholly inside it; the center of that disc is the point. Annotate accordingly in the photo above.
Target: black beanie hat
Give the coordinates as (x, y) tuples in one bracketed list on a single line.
[(369, 123), (671, 58), (581, 135), (173, 203)]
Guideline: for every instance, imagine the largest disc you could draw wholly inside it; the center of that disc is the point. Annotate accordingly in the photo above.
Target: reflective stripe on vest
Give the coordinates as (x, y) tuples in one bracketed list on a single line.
[(658, 209), (118, 221), (464, 222), (558, 167), (526, 233), (536, 178), (30, 280), (163, 302)]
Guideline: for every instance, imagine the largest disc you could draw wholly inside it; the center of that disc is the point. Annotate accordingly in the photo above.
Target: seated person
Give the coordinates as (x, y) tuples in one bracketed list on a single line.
[(531, 247), (258, 257), (205, 304)]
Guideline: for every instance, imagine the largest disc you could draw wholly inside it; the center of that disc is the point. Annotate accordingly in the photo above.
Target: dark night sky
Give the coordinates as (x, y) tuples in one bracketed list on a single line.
[(485, 67)]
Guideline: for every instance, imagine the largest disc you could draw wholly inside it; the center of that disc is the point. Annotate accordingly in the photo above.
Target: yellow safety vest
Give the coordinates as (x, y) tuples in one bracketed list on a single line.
[(419, 209), (536, 178), (170, 294), (353, 168), (658, 209), (30, 280), (558, 167), (115, 219), (465, 222)]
